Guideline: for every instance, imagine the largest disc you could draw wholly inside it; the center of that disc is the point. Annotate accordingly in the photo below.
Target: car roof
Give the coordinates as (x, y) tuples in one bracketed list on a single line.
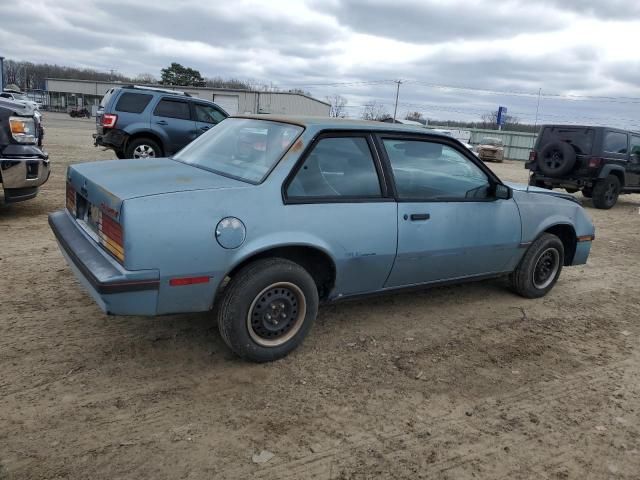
[(594, 127), (330, 123)]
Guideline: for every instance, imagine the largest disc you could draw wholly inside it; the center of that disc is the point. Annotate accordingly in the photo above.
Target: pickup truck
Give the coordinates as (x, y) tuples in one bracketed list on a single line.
[(24, 166)]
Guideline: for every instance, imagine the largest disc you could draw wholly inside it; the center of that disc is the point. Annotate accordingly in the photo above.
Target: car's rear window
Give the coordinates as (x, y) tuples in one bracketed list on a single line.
[(106, 98), (579, 137), (133, 102), (241, 148)]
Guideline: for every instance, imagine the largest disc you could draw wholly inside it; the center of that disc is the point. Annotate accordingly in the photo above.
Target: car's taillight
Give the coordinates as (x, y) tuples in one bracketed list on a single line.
[(595, 162), (533, 156), (111, 236), (109, 120), (71, 199)]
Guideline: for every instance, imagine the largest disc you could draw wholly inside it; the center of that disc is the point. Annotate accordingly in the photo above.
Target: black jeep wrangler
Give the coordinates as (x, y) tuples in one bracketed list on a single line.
[(602, 162)]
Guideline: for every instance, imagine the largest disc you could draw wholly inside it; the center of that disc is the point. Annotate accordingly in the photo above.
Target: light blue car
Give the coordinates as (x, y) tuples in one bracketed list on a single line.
[(264, 217)]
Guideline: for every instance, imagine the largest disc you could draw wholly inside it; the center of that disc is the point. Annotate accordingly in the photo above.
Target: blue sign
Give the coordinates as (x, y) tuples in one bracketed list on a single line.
[(502, 116)]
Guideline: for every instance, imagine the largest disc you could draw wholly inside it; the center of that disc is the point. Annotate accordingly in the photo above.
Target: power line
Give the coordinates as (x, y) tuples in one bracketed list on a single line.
[(516, 93)]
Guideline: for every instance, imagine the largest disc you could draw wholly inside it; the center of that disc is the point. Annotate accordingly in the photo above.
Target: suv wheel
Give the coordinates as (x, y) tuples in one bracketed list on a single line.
[(267, 309), (143, 148), (540, 267), (606, 192), (556, 159)]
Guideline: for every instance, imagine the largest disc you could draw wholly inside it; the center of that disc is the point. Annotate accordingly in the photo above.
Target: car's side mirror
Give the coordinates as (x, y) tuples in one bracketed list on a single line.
[(503, 192)]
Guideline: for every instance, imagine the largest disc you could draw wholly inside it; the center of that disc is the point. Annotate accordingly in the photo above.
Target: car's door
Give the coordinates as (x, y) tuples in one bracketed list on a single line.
[(338, 196), (633, 168), (206, 116), (173, 116), (450, 225), (615, 146)]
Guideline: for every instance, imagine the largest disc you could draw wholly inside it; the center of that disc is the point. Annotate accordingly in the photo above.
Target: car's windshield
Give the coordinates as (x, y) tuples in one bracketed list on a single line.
[(20, 96), (496, 142), (241, 148)]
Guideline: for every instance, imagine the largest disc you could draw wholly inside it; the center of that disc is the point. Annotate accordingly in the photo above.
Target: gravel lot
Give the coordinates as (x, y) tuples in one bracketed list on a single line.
[(458, 382)]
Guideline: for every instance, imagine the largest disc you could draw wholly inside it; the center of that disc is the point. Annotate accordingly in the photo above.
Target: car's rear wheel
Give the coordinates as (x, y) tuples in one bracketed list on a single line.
[(540, 267), (267, 309), (120, 154), (606, 192), (143, 148)]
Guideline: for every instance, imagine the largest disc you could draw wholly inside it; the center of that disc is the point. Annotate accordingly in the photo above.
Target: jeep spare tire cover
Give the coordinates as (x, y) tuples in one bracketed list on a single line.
[(556, 159)]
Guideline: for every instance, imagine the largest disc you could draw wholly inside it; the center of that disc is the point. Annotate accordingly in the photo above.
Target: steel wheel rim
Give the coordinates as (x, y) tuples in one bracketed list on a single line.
[(276, 314), (610, 193), (144, 151), (554, 160), (546, 268)]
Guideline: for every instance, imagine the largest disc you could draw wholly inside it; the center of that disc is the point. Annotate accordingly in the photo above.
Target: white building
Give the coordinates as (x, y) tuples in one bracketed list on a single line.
[(62, 94)]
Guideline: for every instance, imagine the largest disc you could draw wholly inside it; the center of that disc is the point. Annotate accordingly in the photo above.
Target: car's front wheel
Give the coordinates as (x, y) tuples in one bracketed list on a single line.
[(540, 267), (267, 309)]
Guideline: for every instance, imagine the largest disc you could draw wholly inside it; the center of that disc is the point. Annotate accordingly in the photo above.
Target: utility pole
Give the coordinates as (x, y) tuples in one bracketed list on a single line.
[(395, 109), (1, 74), (535, 125)]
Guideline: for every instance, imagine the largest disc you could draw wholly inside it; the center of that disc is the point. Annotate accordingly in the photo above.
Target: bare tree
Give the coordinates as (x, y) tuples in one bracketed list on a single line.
[(415, 116), (145, 78), (490, 119), (375, 111), (338, 106)]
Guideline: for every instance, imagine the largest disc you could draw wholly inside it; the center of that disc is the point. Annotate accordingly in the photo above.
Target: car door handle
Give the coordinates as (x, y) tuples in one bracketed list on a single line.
[(162, 122), (204, 129), (416, 217)]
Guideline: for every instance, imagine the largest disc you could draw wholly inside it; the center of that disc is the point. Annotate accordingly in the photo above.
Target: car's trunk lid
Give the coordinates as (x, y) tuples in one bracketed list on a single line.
[(107, 184)]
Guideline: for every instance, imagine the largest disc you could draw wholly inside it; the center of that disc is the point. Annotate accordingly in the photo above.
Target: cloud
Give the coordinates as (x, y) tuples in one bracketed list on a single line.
[(569, 47)]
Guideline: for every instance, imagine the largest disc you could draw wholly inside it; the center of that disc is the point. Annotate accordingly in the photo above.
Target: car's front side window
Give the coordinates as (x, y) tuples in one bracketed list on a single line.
[(430, 171), (337, 168)]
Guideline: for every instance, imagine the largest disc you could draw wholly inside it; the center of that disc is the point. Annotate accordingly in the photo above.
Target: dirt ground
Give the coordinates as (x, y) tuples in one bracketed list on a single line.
[(459, 382)]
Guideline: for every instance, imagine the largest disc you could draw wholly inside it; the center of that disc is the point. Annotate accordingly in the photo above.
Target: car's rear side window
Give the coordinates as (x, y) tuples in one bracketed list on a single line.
[(615, 142), (173, 109), (340, 167), (133, 102)]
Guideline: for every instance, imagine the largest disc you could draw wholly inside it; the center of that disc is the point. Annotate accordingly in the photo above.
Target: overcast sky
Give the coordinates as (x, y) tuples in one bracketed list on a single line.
[(570, 48)]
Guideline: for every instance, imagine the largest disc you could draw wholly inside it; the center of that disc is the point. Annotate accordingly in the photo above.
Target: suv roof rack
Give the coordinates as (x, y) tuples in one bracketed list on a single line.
[(156, 89)]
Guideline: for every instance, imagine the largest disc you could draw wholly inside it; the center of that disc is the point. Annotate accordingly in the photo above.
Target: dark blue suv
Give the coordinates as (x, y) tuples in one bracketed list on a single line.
[(141, 122)]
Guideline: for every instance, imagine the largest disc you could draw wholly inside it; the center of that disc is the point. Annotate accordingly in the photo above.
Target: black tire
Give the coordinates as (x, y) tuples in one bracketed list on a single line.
[(556, 159), (143, 148), (606, 192), (120, 154), (539, 269), (273, 287), (587, 192)]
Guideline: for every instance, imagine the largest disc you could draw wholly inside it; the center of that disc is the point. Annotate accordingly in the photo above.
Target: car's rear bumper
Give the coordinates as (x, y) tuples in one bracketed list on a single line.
[(114, 139), (116, 290)]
